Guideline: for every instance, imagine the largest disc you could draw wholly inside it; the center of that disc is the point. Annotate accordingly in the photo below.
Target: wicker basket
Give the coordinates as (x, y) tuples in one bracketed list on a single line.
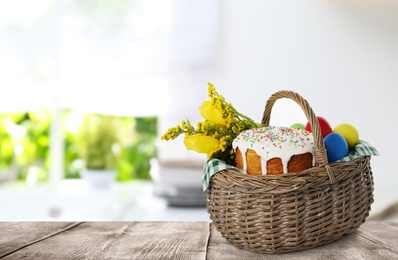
[(293, 211)]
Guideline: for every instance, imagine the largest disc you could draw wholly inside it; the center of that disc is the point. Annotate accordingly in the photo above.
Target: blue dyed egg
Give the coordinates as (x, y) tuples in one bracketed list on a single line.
[(336, 147)]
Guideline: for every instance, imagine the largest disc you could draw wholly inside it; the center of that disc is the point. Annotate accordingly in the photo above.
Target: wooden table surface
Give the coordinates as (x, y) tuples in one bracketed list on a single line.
[(172, 240)]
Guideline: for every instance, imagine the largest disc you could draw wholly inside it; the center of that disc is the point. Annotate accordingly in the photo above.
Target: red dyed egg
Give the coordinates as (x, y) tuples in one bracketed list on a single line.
[(324, 125)]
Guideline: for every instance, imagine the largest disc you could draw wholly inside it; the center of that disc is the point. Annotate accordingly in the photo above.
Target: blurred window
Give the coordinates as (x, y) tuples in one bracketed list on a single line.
[(104, 57)]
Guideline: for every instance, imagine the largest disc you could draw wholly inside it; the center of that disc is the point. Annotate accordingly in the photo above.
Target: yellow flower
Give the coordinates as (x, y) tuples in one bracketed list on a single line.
[(212, 113), (214, 136), (202, 143)]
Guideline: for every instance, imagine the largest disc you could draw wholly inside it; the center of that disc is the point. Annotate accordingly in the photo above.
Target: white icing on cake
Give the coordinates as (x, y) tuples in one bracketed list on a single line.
[(274, 142)]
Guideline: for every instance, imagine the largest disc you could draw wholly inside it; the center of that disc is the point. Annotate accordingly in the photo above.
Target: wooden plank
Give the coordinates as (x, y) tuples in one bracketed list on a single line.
[(353, 246), (17, 235), (384, 234), (123, 240), (171, 240)]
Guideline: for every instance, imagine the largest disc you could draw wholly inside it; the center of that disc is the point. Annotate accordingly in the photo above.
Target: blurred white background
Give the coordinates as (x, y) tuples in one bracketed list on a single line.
[(341, 56)]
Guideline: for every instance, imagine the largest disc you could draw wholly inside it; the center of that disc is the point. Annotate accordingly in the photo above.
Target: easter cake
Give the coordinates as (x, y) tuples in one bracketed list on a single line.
[(274, 150)]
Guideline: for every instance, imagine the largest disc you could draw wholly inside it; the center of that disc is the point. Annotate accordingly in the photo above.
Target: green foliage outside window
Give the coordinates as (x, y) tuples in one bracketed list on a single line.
[(97, 141), (6, 147), (24, 142), (133, 138), (138, 150)]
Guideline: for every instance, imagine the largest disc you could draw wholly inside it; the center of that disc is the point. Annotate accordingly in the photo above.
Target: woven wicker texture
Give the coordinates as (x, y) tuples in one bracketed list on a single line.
[(292, 211)]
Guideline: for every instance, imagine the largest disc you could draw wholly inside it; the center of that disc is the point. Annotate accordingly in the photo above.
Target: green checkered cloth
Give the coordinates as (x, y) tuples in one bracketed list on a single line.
[(213, 166), (361, 149)]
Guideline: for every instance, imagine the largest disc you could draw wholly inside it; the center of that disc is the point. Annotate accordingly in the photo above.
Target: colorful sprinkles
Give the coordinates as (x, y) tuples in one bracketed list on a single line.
[(278, 137), (275, 141)]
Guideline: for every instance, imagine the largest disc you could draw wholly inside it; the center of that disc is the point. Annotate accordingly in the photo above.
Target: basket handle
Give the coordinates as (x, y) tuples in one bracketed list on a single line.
[(319, 145)]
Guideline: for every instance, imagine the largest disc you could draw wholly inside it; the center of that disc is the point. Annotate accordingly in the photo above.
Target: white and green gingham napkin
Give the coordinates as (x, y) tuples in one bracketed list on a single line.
[(213, 166), (361, 149)]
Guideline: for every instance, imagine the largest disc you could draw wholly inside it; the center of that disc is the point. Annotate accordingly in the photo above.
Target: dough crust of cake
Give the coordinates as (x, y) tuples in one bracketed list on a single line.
[(274, 150), (297, 163)]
